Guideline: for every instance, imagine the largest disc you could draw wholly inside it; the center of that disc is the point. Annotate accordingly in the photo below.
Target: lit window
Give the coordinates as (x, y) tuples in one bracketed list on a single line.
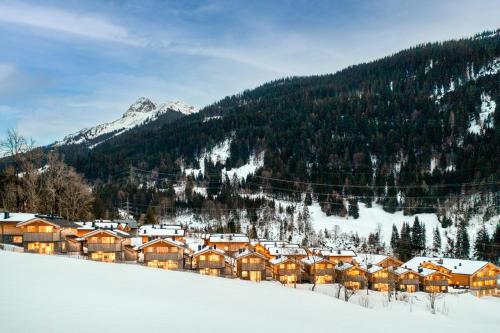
[(202, 257), (17, 239), (245, 260), (244, 274)]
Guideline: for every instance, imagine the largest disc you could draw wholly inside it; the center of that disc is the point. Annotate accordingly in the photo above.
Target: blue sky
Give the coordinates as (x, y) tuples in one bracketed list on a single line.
[(65, 65)]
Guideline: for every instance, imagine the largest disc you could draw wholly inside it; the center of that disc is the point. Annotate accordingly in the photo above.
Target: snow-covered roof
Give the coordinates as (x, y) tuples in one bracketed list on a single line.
[(280, 260), (88, 225), (115, 233), (457, 266), (16, 217), (228, 238), (337, 253), (160, 230), (268, 244), (161, 240), (344, 266), (401, 270), (313, 260), (287, 251), (247, 253), (368, 258), (208, 249), (372, 269)]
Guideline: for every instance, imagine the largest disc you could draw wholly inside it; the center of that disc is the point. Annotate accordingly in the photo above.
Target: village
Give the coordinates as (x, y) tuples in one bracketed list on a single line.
[(170, 247)]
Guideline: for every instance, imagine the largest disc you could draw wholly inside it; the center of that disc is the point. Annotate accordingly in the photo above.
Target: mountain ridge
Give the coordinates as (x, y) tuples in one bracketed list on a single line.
[(141, 112)]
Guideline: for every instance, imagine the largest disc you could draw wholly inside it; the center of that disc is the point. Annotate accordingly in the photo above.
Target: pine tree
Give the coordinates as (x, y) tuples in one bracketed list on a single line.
[(353, 208), (394, 238), (405, 242), (416, 236), (308, 199), (495, 245), (482, 245), (462, 245), (436, 241)]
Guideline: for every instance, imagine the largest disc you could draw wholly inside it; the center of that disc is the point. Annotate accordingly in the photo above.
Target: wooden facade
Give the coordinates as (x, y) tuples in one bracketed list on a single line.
[(351, 276), (103, 245), (286, 270), (211, 262), (318, 270), (45, 237), (408, 281), (163, 253), (251, 266)]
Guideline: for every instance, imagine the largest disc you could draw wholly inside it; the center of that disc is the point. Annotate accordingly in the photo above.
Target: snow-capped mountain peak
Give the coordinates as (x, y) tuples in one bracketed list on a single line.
[(141, 112)]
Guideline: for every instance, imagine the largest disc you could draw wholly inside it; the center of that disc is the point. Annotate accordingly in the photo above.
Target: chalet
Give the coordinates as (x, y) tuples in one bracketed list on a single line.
[(286, 270), (46, 235), (478, 276), (209, 261), (86, 227), (381, 278), (318, 270), (407, 280), (250, 265), (368, 259), (229, 243), (351, 276), (163, 253), (288, 250), (104, 245), (149, 232), (336, 256), (10, 233)]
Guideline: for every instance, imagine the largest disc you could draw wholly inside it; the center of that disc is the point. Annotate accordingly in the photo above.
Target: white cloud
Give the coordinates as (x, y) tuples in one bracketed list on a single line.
[(84, 25)]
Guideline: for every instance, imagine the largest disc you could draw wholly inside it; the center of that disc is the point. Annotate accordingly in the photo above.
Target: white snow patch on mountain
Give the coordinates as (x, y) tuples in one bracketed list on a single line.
[(255, 162), (488, 107), (141, 112), (220, 153)]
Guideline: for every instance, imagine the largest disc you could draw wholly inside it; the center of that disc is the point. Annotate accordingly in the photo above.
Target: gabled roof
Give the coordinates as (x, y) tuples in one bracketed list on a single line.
[(113, 233), (311, 260), (374, 259), (287, 251), (337, 253), (16, 217), (37, 219), (456, 266), (162, 240), (208, 249), (247, 253), (228, 238), (281, 260), (161, 230), (373, 269), (345, 266), (401, 270)]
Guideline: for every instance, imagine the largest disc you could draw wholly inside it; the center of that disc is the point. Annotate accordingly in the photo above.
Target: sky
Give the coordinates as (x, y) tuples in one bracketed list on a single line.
[(66, 65)]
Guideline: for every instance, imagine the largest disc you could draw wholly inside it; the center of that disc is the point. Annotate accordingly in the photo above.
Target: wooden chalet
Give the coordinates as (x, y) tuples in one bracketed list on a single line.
[(337, 256), (209, 261), (250, 265), (163, 253), (104, 245), (10, 233), (318, 270), (381, 260), (351, 276), (46, 235), (407, 280), (149, 232), (231, 244), (286, 270)]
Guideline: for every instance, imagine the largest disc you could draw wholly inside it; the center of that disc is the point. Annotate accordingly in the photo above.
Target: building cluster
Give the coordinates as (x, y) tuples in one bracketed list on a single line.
[(236, 256)]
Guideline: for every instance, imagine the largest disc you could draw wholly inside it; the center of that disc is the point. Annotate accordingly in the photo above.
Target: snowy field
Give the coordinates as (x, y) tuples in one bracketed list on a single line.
[(58, 294)]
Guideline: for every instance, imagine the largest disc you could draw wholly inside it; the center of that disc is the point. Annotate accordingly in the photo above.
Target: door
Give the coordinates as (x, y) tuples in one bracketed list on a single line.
[(255, 276)]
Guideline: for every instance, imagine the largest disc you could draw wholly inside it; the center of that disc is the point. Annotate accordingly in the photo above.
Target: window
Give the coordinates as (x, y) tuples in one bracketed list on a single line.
[(254, 260), (17, 239), (202, 257), (244, 274), (292, 266), (214, 257), (108, 240), (46, 228), (162, 249), (282, 266), (31, 228), (244, 260)]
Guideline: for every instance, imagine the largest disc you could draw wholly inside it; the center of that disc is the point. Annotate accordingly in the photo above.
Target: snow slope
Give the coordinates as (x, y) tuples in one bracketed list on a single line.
[(60, 294), (139, 113)]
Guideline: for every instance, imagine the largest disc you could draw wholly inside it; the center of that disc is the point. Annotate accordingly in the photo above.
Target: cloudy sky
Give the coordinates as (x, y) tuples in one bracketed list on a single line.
[(65, 65)]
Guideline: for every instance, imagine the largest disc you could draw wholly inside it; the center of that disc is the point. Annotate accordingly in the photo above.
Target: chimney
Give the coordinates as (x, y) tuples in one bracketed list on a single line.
[(6, 215), (199, 247)]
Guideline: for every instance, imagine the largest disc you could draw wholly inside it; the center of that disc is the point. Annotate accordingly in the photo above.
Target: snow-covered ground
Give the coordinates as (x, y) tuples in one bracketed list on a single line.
[(58, 294)]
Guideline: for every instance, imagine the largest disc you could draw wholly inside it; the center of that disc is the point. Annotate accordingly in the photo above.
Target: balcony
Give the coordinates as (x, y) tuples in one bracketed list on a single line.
[(323, 271), (485, 278), (380, 280), (355, 278), (410, 281), (210, 264), (253, 267), (162, 256), (436, 283), (41, 237), (289, 271), (104, 247), (493, 286)]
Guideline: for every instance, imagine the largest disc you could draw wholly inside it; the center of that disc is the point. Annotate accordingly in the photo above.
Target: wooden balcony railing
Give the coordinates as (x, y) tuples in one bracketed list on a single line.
[(149, 256), (485, 278), (41, 237), (210, 264), (253, 267), (104, 247), (436, 283), (409, 281), (493, 286), (288, 271), (355, 278), (380, 280), (323, 271)]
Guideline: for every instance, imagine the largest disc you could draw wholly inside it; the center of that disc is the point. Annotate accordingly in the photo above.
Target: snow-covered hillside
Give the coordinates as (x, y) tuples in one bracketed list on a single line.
[(141, 112), (60, 294)]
